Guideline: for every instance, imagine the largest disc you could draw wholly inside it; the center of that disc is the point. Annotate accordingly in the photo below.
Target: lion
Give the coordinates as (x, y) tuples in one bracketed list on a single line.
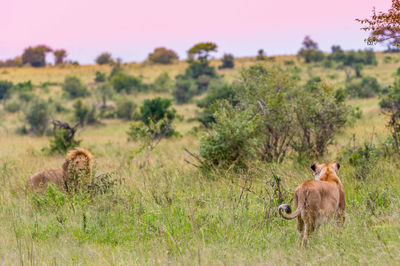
[(317, 201), (78, 163)]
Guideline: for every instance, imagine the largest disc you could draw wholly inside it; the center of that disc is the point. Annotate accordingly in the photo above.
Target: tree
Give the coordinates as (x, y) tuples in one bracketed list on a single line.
[(261, 55), (105, 91), (35, 56), (383, 26), (104, 58), (310, 51), (228, 61), (81, 112), (161, 55), (124, 82), (202, 50), (60, 54), (37, 115)]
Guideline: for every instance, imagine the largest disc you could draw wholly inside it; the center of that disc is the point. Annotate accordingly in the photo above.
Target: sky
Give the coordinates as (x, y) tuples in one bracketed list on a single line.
[(131, 29)]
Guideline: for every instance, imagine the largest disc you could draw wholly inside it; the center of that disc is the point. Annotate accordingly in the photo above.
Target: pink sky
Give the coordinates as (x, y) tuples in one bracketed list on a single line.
[(130, 29)]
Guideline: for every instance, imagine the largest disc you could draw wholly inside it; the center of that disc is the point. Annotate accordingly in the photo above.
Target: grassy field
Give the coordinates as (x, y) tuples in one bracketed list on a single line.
[(169, 212)]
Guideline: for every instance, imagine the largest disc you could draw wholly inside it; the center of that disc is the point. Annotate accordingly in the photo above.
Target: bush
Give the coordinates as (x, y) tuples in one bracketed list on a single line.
[(228, 61), (162, 55), (200, 68), (74, 87), (5, 89), (104, 91), (261, 55), (100, 76), (185, 89), (123, 82), (37, 115), (12, 107), (311, 55), (217, 91), (125, 109), (104, 58), (320, 115), (163, 83), (231, 140), (365, 87), (152, 111), (81, 112), (63, 138)]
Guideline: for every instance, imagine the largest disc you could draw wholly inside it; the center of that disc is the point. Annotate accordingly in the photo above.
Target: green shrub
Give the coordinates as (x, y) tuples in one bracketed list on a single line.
[(163, 83), (228, 61), (12, 107), (74, 87), (104, 91), (123, 82), (154, 110), (217, 91), (125, 109), (100, 76), (63, 138), (81, 112), (365, 87), (185, 89), (37, 115), (231, 140), (5, 89)]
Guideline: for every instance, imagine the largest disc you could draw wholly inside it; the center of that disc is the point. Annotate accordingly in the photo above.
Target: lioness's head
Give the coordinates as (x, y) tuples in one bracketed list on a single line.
[(325, 168)]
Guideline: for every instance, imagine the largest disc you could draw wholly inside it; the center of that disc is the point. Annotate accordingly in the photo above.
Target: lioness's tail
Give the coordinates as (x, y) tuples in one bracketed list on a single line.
[(288, 210)]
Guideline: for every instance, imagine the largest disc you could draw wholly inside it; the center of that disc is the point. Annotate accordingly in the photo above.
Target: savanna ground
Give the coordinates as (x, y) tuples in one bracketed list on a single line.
[(169, 212)]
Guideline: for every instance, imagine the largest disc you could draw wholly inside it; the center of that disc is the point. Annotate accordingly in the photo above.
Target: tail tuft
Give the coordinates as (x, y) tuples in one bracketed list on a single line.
[(286, 208)]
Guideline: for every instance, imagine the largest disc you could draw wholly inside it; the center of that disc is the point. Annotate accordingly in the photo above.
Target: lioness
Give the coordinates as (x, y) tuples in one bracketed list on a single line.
[(317, 201), (81, 162)]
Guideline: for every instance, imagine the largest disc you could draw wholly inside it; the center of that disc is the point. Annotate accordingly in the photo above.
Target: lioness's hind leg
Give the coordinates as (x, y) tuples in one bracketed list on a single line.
[(300, 227)]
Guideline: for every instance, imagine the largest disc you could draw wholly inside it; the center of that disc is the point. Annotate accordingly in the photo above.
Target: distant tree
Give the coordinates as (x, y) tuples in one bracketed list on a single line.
[(35, 56), (162, 55), (105, 91), (15, 62), (81, 112), (261, 55), (384, 26), (337, 53), (310, 51), (104, 58), (228, 61), (37, 115), (100, 76), (124, 82), (202, 50), (60, 54)]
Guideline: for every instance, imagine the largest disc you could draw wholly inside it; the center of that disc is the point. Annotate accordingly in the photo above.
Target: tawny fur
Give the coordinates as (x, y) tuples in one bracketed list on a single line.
[(317, 201), (80, 159)]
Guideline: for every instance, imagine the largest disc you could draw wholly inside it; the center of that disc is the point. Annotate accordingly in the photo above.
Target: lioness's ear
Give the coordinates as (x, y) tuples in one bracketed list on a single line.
[(314, 166), (337, 165)]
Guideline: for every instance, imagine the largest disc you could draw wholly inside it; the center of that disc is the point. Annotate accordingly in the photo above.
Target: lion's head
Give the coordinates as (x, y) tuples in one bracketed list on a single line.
[(78, 161)]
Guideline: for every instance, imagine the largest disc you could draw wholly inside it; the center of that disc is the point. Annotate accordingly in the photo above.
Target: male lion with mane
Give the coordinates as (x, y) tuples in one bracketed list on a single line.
[(78, 162), (317, 201)]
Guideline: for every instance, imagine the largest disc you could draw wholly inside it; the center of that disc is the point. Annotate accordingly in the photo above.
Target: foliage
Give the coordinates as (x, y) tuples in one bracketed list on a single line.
[(320, 115), (161, 55), (12, 107), (100, 76), (154, 110), (105, 91), (365, 87), (310, 51), (125, 108), (123, 82), (261, 55), (104, 58), (63, 138), (37, 115), (228, 61), (163, 83), (185, 89), (217, 91), (383, 27), (81, 112), (231, 140), (59, 55), (74, 87), (5, 89), (35, 56), (202, 50)]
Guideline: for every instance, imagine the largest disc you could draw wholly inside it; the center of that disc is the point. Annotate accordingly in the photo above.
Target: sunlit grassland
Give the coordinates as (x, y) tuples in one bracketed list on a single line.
[(169, 212)]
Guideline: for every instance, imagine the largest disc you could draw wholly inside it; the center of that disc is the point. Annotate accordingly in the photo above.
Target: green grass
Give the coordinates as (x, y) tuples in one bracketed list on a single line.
[(169, 212)]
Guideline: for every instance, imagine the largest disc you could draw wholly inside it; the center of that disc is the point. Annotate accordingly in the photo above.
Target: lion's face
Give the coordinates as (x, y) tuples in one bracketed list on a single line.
[(80, 163)]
